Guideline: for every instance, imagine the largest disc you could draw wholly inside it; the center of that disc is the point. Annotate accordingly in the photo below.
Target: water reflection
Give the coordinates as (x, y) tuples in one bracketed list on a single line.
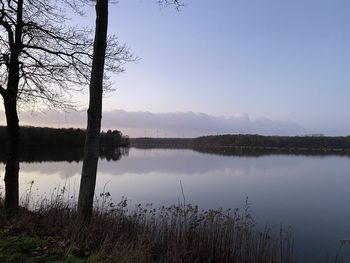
[(74, 154), (263, 151), (308, 193)]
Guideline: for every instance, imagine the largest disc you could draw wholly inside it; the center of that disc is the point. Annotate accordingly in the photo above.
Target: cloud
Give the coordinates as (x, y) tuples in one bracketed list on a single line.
[(182, 124)]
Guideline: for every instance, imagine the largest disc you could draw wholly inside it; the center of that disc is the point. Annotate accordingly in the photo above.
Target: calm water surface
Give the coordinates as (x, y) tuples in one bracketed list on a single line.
[(310, 194)]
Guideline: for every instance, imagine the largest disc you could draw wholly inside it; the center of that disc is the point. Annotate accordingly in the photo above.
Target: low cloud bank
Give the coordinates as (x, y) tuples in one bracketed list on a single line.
[(179, 124)]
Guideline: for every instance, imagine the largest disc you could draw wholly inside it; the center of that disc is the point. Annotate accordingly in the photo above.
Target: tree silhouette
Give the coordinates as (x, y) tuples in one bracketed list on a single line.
[(92, 142), (42, 59)]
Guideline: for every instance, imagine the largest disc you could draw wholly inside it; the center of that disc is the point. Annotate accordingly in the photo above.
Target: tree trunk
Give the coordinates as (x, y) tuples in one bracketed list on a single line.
[(92, 141), (10, 102), (12, 164)]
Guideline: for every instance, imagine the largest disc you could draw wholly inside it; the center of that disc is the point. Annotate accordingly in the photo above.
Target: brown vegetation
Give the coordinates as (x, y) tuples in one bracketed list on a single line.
[(179, 233)]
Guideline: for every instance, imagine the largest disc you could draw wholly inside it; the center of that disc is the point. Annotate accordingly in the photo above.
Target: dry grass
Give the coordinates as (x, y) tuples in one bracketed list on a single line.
[(179, 233)]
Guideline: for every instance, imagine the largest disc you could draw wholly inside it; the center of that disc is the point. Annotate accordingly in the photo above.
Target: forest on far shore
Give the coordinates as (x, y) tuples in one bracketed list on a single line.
[(309, 142), (59, 138), (71, 137), (249, 141)]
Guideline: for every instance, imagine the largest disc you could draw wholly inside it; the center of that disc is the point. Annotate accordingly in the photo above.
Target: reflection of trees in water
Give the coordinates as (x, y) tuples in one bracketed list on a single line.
[(56, 154), (115, 154), (262, 151), (251, 150)]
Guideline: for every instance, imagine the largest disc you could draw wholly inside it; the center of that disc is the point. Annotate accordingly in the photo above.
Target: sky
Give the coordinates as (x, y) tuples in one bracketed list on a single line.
[(266, 61)]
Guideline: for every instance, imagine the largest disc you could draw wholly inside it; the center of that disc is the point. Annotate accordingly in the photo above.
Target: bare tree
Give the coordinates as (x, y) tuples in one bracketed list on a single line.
[(42, 60), (92, 142)]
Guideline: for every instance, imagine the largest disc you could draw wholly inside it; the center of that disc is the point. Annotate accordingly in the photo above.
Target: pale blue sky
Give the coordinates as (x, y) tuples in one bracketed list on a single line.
[(279, 59), (285, 60)]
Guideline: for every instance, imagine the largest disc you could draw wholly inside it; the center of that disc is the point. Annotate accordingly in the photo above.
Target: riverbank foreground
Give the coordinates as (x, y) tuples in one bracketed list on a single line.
[(47, 232)]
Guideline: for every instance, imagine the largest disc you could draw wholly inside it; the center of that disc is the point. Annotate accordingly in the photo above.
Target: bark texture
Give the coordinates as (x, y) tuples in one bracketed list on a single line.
[(12, 163), (92, 142), (10, 102)]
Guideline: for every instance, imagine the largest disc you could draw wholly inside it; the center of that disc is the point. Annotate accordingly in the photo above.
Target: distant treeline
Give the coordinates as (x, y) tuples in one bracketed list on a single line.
[(286, 142), (248, 142), (145, 142), (51, 137)]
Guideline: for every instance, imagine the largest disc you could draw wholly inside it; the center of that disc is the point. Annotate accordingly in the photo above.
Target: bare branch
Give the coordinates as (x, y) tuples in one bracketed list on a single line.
[(176, 3), (54, 58)]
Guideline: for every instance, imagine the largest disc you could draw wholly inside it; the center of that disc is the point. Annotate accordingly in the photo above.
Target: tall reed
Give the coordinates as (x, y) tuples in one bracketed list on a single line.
[(177, 233)]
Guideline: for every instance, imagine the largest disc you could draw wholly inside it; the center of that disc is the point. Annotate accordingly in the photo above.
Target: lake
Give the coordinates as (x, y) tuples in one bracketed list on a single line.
[(308, 193)]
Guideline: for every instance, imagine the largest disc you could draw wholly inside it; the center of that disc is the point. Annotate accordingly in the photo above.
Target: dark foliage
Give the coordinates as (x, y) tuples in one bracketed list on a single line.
[(308, 142), (63, 138), (161, 142), (252, 145)]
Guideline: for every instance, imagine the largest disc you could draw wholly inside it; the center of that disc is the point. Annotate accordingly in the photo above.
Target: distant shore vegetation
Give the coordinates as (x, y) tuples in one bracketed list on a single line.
[(232, 142), (64, 137)]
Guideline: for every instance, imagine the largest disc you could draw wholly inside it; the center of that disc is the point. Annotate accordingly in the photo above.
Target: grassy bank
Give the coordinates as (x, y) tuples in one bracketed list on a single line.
[(20, 247), (179, 233)]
